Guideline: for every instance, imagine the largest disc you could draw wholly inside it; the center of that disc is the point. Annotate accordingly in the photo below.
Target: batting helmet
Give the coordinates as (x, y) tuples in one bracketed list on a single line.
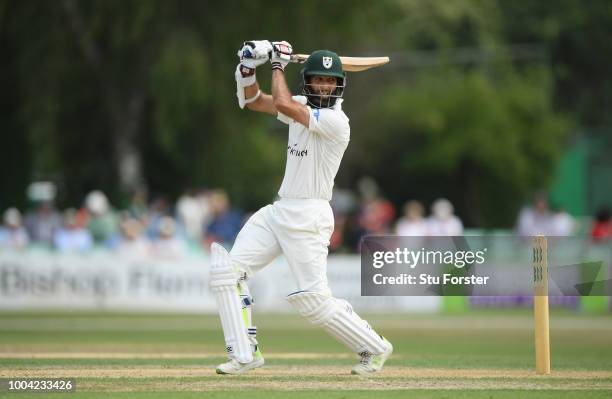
[(323, 63)]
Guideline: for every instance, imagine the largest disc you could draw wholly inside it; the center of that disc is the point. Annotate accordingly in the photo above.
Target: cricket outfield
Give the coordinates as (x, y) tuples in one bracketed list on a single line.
[(477, 355)]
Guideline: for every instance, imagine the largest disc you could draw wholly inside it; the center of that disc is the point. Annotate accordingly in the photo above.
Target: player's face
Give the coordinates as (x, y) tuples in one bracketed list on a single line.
[(323, 85)]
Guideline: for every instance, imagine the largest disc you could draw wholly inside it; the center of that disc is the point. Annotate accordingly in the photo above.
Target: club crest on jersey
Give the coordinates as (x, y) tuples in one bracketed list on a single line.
[(327, 62)]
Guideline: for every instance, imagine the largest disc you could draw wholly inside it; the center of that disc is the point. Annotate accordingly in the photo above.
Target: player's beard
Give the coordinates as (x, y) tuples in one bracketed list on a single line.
[(321, 100), (317, 100)]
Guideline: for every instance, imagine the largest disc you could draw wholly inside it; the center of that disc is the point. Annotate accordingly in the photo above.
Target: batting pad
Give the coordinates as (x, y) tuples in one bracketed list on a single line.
[(337, 317), (246, 301), (224, 285)]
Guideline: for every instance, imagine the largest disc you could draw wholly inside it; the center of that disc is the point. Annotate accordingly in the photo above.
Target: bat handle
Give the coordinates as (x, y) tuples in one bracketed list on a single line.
[(299, 58)]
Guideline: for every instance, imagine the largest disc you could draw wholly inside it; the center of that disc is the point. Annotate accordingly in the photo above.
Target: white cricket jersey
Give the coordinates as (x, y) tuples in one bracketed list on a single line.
[(314, 153)]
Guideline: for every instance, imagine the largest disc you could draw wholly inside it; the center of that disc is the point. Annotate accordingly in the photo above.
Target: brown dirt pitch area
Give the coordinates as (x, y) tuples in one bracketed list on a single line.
[(129, 378)]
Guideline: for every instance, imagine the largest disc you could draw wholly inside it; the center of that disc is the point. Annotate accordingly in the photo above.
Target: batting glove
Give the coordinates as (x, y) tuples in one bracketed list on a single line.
[(281, 55), (254, 53)]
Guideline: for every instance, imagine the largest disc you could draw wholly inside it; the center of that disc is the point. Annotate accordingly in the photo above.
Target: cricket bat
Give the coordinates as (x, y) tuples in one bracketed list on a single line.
[(349, 64)]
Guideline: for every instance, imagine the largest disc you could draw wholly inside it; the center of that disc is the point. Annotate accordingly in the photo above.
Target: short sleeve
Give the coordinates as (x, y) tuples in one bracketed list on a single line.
[(284, 118), (329, 123)]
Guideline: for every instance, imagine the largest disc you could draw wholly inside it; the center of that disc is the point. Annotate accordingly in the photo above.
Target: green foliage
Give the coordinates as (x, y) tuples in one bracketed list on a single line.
[(454, 114), (181, 96), (190, 138), (577, 35), (484, 138), (254, 161), (446, 24)]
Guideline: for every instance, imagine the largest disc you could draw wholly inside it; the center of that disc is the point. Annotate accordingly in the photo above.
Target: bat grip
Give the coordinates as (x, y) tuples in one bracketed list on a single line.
[(298, 58)]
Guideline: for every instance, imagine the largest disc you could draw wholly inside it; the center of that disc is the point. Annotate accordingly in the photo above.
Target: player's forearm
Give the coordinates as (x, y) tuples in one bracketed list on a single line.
[(280, 91), (263, 103), (251, 91), (283, 101)]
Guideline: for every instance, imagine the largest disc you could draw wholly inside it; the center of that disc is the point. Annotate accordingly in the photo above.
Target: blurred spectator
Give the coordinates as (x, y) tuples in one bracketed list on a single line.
[(12, 234), (103, 222), (412, 223), (343, 203), (226, 222), (536, 219), (158, 209), (368, 189), (373, 217), (562, 224), (42, 223), (376, 216), (193, 212), (352, 231), (168, 245), (132, 244), (336, 240), (602, 227), (138, 207), (73, 236), (443, 221)]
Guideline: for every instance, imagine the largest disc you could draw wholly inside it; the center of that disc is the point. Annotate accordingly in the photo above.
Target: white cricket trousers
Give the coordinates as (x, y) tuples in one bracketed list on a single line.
[(298, 228)]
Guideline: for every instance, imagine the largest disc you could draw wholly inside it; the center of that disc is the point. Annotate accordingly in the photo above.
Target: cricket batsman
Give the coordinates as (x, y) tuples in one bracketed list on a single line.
[(300, 223)]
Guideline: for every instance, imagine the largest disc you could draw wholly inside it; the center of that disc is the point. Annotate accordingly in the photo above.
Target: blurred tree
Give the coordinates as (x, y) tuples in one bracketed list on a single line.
[(118, 41), (14, 147), (112, 94), (577, 34), (436, 25), (484, 143)]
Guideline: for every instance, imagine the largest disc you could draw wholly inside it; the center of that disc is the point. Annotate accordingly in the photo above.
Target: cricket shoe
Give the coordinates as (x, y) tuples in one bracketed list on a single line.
[(233, 366), (370, 363)]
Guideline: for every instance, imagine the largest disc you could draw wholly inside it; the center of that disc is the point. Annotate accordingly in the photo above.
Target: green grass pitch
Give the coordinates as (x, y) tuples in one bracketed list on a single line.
[(486, 354)]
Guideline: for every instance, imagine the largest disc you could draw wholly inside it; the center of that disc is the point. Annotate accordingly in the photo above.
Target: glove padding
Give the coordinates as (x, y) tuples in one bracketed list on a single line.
[(254, 53), (281, 55), (245, 76)]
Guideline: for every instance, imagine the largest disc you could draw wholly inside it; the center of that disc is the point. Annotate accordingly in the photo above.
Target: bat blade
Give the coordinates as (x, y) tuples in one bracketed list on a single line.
[(349, 64)]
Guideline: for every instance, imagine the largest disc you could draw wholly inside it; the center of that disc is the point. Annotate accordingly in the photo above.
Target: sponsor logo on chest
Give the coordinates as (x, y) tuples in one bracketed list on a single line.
[(296, 152)]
